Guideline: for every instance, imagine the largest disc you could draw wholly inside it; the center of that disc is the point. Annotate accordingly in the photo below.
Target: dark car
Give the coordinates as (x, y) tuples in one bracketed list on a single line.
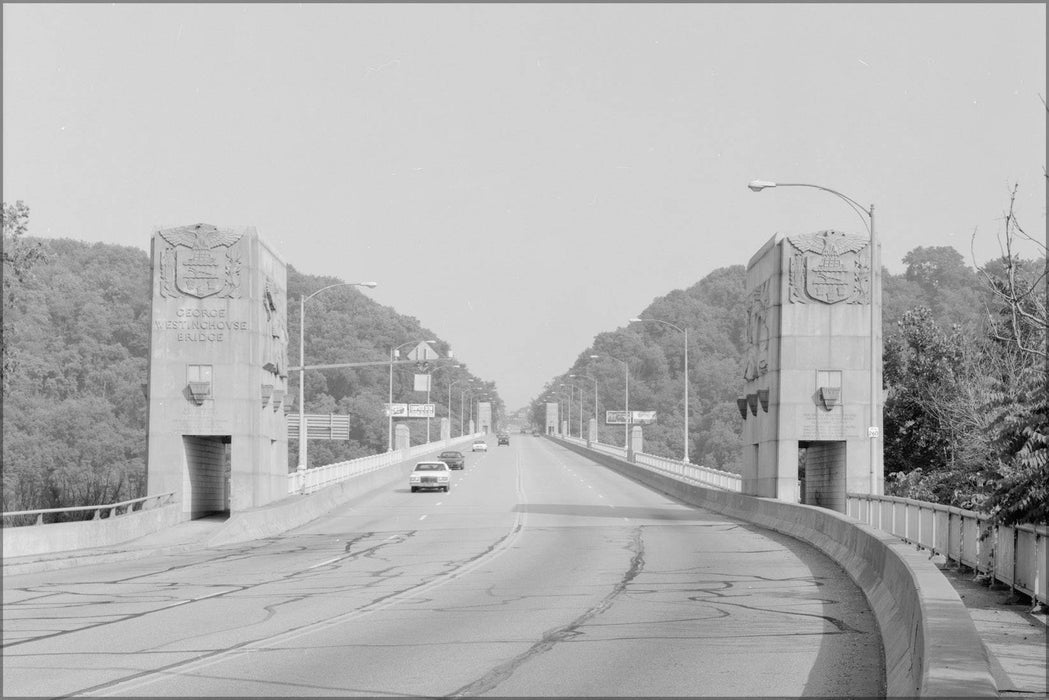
[(454, 460), (504, 439)]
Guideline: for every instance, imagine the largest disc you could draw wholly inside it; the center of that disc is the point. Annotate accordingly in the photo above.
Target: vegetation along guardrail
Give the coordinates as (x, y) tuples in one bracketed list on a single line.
[(1014, 556)]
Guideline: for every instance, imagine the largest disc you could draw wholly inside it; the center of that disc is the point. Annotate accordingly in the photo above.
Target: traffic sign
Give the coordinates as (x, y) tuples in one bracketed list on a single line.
[(423, 352), (636, 417), (421, 410)]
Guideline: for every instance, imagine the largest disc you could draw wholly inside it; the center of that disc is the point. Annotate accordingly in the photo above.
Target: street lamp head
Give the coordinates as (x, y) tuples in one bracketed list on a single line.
[(636, 320), (759, 185), (369, 285), (595, 357)]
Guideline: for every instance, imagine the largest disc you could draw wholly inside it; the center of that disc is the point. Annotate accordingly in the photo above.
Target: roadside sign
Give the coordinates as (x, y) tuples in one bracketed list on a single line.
[(423, 352), (636, 417), (421, 410), (873, 432), (642, 417), (396, 410)]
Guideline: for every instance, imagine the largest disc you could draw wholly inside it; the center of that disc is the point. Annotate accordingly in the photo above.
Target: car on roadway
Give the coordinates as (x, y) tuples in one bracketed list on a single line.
[(504, 439), (430, 475), (479, 446), (454, 459)]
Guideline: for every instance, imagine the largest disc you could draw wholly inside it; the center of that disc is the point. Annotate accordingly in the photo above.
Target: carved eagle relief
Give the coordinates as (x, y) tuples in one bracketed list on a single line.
[(190, 264), (827, 267)]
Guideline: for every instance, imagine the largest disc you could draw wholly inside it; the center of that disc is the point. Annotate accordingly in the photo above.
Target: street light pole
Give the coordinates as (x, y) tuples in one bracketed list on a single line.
[(303, 441), (626, 399), (685, 331), (389, 405), (572, 387), (450, 385), (462, 395), (428, 381), (568, 424), (866, 215), (587, 376)]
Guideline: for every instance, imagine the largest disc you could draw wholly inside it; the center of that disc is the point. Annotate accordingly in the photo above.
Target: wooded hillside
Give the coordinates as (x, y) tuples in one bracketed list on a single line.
[(76, 343), (966, 413)]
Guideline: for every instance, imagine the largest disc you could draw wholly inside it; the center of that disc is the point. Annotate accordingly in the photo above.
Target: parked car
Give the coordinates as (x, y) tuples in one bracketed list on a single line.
[(454, 460), (479, 446), (430, 475), (504, 439)]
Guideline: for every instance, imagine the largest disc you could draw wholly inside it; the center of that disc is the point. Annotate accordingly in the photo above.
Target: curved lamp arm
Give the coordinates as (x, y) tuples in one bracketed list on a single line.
[(863, 212)]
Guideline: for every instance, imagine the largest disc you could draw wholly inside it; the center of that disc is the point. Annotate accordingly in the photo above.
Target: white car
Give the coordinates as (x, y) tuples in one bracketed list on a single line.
[(430, 475), (480, 446)]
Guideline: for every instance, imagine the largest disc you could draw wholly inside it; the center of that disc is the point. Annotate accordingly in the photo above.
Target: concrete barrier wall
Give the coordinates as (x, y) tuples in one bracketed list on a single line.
[(59, 537), (294, 511), (931, 644)]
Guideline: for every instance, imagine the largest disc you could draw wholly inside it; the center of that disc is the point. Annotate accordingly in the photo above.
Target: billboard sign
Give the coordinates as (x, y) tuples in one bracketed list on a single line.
[(636, 417), (396, 410), (421, 410)]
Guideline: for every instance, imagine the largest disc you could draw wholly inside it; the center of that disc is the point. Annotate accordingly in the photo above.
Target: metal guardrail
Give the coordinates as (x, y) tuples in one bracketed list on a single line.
[(318, 478), (686, 471), (1013, 556), (110, 510)]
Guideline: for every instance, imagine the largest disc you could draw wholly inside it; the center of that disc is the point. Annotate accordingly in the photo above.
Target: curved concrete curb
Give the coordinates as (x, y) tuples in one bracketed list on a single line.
[(932, 648)]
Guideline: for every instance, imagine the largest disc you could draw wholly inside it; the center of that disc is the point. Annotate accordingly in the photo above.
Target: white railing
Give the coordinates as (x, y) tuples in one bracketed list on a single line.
[(684, 471), (109, 510), (320, 477), (1014, 556)]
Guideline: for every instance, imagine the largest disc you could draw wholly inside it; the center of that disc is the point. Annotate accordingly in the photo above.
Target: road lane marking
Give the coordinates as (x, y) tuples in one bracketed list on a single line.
[(324, 563), (195, 665), (422, 517)]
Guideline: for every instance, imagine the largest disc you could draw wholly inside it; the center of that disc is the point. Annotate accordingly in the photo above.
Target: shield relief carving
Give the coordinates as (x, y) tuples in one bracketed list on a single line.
[(829, 267)]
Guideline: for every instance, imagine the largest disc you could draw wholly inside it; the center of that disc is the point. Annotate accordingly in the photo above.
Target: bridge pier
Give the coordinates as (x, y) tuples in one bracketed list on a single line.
[(218, 370)]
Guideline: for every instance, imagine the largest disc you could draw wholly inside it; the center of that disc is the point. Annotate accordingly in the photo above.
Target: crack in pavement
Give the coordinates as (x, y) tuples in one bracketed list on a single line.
[(568, 631), (201, 661), (225, 590)]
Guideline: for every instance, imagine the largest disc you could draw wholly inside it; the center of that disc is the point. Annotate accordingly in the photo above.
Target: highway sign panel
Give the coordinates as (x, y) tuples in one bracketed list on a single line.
[(421, 410), (636, 417)]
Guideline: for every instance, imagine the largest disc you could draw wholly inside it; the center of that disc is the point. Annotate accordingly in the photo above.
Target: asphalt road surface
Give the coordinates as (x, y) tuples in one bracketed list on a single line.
[(539, 573)]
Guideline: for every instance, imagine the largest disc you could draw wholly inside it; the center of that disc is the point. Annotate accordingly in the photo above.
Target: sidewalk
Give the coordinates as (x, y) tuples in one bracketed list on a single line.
[(1016, 639)]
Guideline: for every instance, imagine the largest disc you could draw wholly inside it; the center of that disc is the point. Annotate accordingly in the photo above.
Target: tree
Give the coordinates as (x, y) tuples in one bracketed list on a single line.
[(75, 410), (711, 310), (1020, 426), (19, 258)]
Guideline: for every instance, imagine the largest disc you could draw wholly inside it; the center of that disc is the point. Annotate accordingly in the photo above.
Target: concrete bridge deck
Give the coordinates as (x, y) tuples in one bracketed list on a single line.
[(1014, 637)]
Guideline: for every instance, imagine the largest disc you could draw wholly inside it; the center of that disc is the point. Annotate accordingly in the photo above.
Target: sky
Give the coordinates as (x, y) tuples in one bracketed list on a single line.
[(521, 178)]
